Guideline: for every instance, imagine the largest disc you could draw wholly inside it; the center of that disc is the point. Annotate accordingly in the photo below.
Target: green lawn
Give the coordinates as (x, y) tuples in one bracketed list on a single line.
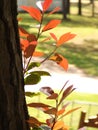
[(82, 51)]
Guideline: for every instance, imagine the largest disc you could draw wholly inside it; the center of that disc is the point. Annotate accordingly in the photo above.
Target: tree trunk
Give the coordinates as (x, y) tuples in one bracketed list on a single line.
[(65, 8), (13, 110), (79, 7)]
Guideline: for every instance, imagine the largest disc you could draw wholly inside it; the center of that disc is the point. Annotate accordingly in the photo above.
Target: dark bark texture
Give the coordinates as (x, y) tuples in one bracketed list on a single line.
[(13, 111), (65, 8)]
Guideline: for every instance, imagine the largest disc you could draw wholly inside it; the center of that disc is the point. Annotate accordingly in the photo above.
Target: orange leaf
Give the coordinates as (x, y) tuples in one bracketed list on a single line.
[(46, 4), (23, 32), (64, 38), (24, 44), (52, 24), (36, 53), (60, 125), (46, 39), (54, 10), (63, 63), (70, 111), (65, 127), (60, 60), (60, 112), (53, 36), (19, 19), (34, 12)]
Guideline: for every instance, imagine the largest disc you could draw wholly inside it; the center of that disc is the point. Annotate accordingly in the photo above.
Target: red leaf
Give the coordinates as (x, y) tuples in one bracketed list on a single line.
[(52, 111), (30, 49), (64, 38), (53, 96), (34, 122), (49, 121), (47, 90), (34, 12), (63, 87), (38, 105), (52, 24), (46, 4), (53, 36), (23, 32), (31, 37), (60, 60), (66, 92)]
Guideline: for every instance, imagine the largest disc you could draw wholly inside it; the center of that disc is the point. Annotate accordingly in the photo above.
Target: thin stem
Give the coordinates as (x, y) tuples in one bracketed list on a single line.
[(39, 30), (38, 35), (56, 116), (24, 63), (28, 64), (49, 55)]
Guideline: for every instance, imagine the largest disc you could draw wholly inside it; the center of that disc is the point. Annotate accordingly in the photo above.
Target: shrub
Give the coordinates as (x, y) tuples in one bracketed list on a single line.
[(29, 44)]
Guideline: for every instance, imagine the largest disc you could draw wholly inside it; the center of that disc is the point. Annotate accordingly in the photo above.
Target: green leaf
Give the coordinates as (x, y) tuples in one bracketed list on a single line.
[(33, 64), (32, 79), (41, 73)]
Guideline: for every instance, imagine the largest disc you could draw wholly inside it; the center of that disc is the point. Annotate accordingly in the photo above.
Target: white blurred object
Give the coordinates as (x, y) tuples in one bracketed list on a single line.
[(83, 128), (39, 5)]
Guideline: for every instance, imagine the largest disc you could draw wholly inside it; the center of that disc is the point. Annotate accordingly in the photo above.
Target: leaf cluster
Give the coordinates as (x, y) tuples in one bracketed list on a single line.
[(29, 43), (57, 112)]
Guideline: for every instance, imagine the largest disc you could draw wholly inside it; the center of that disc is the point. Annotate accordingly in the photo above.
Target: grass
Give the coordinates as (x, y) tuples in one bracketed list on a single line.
[(82, 51)]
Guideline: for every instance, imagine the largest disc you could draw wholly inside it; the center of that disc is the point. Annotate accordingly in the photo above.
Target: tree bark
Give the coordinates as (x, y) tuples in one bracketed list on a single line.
[(65, 8), (79, 7), (13, 110)]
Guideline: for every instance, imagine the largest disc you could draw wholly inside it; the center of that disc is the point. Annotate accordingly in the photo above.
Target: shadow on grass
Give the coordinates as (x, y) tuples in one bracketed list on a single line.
[(72, 21), (80, 21), (84, 56)]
